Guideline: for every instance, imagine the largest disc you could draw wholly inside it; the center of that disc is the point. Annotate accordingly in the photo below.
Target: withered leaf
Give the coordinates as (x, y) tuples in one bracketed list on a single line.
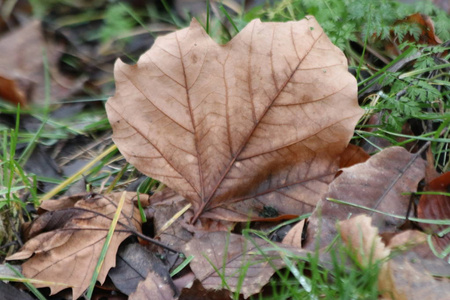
[(360, 235), (258, 122), (154, 287), (294, 236), (400, 277), (436, 207), (229, 253), (352, 155), (69, 253), (378, 183)]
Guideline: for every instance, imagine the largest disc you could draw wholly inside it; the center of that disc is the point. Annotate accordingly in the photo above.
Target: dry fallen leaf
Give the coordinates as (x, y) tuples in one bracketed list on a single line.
[(294, 235), (378, 183), (22, 69), (352, 155), (258, 122), (68, 253), (436, 207), (400, 278), (361, 236), (154, 287), (227, 253)]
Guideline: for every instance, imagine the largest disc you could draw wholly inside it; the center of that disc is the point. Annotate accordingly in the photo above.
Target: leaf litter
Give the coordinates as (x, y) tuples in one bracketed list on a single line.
[(260, 124)]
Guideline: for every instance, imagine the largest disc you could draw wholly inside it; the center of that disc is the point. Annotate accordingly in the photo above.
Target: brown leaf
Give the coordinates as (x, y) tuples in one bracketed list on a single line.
[(294, 236), (359, 234), (419, 252), (436, 207), (400, 277), (176, 235), (69, 253), (154, 287), (411, 282), (260, 121), (22, 69), (352, 155), (378, 183), (210, 249)]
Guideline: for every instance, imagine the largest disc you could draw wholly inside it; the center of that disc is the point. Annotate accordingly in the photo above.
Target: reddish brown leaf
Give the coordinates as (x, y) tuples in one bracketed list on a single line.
[(22, 70), (258, 122), (352, 155), (69, 252), (425, 23), (230, 252), (378, 183), (436, 207)]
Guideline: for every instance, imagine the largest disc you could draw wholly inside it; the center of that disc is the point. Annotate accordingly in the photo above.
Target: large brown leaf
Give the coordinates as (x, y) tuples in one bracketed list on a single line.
[(69, 253), (235, 128)]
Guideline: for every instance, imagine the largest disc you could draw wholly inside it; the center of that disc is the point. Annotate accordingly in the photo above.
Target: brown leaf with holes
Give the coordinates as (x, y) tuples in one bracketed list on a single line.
[(66, 250), (258, 122), (378, 184), (228, 253)]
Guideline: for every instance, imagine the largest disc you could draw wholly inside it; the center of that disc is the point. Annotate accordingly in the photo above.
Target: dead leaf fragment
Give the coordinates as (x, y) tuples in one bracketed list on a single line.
[(258, 122), (230, 252), (360, 235), (69, 253), (294, 236), (352, 155), (378, 183)]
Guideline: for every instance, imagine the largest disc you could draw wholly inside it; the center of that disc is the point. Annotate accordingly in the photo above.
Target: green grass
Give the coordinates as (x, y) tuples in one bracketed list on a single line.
[(417, 91)]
